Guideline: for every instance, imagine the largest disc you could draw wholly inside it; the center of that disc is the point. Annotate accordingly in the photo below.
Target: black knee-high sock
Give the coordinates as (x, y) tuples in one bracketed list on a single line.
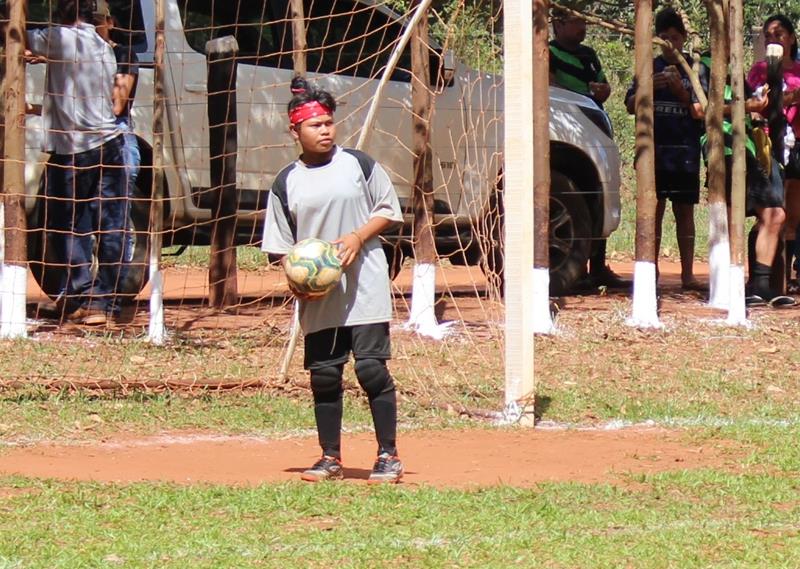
[(760, 280), (375, 379), (751, 253), (326, 385)]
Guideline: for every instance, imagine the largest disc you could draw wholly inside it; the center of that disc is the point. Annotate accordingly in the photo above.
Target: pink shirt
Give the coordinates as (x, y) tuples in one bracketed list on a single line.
[(791, 77)]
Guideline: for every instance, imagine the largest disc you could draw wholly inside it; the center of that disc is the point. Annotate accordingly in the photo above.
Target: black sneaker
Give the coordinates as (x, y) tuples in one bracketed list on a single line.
[(326, 468), (387, 469)]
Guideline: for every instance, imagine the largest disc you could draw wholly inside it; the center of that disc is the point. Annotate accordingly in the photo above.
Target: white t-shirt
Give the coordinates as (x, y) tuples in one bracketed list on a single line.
[(328, 202), (77, 113)]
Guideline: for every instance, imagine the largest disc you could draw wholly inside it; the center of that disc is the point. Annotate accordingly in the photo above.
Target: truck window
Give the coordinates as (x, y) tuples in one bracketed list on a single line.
[(252, 23), (350, 38)]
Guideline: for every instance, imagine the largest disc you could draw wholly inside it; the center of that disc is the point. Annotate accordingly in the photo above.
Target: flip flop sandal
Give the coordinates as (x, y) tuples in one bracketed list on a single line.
[(753, 300), (782, 302)]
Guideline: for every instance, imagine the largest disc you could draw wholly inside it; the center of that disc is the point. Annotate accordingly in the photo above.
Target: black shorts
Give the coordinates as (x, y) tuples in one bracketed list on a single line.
[(763, 190), (680, 187), (332, 346)]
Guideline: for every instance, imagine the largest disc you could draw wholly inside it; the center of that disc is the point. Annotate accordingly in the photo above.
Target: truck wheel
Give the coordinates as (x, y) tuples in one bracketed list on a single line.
[(49, 272), (570, 237)]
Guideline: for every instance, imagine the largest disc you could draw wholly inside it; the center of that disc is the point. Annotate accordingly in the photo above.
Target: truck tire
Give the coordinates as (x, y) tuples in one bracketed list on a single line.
[(48, 271), (570, 237)]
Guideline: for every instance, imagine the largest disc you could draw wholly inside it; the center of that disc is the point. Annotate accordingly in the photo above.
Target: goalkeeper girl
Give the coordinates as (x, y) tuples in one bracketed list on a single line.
[(345, 197)]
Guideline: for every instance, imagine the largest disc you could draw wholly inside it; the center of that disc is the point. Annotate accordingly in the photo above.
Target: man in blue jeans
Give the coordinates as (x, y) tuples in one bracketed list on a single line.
[(85, 205), (125, 81)]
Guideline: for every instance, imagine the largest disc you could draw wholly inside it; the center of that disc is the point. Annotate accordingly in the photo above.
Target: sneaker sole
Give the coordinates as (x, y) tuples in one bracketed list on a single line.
[(315, 478), (393, 480)]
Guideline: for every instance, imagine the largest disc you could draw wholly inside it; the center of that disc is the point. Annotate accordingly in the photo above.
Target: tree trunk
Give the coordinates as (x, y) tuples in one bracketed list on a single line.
[(736, 308), (719, 244), (15, 260), (645, 310), (222, 133)]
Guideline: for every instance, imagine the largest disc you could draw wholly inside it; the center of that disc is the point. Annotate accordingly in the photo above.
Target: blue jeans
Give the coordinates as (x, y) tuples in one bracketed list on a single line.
[(132, 159), (85, 207)]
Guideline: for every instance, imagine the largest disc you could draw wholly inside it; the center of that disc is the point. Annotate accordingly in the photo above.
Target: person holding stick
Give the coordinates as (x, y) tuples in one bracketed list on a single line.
[(345, 197), (677, 141), (764, 198), (784, 124)]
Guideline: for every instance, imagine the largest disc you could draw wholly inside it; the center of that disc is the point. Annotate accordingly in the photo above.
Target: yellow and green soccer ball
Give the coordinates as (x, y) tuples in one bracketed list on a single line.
[(312, 267)]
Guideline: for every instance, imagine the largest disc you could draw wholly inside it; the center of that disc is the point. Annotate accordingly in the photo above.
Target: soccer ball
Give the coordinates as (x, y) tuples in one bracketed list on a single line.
[(312, 267)]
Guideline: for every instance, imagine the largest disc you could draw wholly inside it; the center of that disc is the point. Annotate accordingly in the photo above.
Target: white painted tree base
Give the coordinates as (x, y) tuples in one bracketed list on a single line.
[(719, 257), (422, 319), (645, 301), (737, 312), (542, 320), (157, 331), (13, 290)]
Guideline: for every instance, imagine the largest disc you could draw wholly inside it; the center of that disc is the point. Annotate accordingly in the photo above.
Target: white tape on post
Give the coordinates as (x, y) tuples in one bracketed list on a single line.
[(719, 256), (157, 331), (737, 313), (12, 297), (423, 304), (645, 301)]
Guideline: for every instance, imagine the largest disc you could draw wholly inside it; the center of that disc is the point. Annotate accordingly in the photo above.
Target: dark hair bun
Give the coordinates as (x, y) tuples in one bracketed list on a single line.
[(299, 85)]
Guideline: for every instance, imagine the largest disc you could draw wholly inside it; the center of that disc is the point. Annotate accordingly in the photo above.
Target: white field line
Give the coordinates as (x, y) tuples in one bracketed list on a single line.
[(607, 426)]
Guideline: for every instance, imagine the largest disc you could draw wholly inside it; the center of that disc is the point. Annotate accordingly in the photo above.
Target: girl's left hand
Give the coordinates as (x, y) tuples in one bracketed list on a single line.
[(349, 247)]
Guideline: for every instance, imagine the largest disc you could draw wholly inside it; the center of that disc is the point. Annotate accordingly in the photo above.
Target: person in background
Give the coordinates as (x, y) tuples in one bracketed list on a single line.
[(125, 81), (677, 141), (778, 29), (764, 194), (576, 67), (84, 173)]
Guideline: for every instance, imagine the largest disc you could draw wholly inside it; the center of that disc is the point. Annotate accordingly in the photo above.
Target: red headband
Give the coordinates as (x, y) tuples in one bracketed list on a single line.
[(307, 111)]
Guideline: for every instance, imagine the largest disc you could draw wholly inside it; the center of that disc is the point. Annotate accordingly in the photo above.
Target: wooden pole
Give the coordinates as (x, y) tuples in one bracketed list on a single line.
[(222, 134), (719, 243), (366, 130), (422, 317), (298, 37), (299, 60), (736, 310), (15, 261), (542, 321), (645, 308), (157, 332), (518, 180)]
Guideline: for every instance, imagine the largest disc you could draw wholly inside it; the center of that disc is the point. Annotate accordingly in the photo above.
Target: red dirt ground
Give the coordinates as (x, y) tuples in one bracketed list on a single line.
[(439, 458), (452, 458)]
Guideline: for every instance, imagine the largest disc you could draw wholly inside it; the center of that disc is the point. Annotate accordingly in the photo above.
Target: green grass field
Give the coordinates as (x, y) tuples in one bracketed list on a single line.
[(720, 386)]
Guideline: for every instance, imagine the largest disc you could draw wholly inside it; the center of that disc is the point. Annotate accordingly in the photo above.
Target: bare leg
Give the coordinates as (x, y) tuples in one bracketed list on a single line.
[(792, 189), (684, 228), (769, 233), (661, 206)]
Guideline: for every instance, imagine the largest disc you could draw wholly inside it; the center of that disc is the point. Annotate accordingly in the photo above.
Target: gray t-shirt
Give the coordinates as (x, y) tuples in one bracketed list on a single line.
[(328, 202), (77, 113)]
